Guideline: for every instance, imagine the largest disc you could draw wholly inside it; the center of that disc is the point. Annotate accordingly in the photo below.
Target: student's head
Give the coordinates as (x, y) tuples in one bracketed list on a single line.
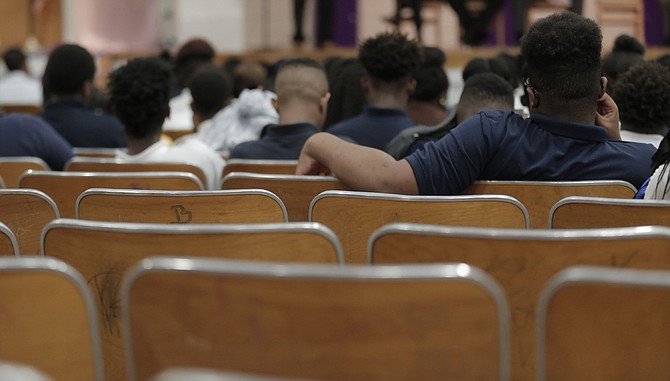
[(191, 56), (643, 95), (302, 91), (139, 95), (627, 52), (248, 75), (347, 97), (389, 60), (485, 91), (562, 55), (494, 65), (211, 91), (14, 59), (431, 80), (69, 72)]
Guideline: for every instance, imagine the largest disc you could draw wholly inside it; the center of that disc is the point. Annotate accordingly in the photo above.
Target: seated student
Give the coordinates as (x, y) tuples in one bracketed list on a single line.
[(211, 91), (485, 91), (27, 135), (241, 121), (658, 185), (347, 98), (643, 95), (627, 52), (17, 87), (563, 139), (428, 103), (191, 56), (389, 60), (140, 97), (68, 82), (302, 99)]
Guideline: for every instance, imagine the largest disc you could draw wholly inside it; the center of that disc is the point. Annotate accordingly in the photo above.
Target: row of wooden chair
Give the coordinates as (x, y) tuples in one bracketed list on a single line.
[(521, 261), (274, 175), (441, 321), (353, 216)]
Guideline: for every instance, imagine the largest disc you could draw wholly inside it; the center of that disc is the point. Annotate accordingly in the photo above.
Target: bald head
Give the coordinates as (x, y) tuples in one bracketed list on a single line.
[(301, 80)]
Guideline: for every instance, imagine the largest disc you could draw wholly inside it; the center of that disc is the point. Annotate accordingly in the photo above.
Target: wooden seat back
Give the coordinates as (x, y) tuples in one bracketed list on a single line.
[(320, 322), (26, 212), (11, 168), (605, 324), (522, 261), (102, 152), (93, 164), (103, 251), (9, 246), (539, 196), (65, 187), (296, 192), (594, 212), (48, 319), (354, 216), (270, 167), (181, 207), (21, 108)]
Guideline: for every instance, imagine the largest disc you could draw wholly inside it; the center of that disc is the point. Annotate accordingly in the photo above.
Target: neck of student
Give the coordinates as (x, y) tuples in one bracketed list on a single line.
[(387, 100), (301, 114), (135, 145), (569, 114)]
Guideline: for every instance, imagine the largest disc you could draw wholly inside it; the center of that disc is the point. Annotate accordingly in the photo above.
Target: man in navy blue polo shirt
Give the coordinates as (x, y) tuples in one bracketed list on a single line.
[(572, 133)]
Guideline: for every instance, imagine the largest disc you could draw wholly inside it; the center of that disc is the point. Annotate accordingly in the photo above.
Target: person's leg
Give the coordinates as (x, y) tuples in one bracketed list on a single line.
[(416, 10), (520, 9), (326, 11), (298, 12), (576, 6)]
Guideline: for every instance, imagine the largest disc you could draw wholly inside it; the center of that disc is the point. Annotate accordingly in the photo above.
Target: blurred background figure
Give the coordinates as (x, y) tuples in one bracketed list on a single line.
[(17, 87)]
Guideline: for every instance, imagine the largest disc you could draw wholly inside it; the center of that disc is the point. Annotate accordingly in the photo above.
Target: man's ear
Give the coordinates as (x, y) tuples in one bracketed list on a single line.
[(365, 84), (87, 90), (603, 86), (411, 86), (323, 103), (275, 104)]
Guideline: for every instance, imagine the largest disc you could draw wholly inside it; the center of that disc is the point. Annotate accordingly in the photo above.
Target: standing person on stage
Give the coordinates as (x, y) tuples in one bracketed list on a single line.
[(474, 26), (325, 11)]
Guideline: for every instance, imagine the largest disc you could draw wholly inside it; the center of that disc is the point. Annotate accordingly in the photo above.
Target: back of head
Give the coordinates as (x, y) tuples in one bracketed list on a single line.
[(68, 69), (562, 55), (627, 52), (211, 90), (300, 80), (140, 95), (484, 91), (431, 80), (248, 75), (390, 58), (643, 95), (190, 56), (14, 59), (347, 96)]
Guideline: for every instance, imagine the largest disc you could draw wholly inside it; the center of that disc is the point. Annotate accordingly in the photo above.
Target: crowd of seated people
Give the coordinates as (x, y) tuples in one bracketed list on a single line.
[(391, 97)]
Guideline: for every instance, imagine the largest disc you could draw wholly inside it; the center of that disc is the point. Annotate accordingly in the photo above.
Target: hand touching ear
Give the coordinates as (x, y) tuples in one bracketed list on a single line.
[(607, 116)]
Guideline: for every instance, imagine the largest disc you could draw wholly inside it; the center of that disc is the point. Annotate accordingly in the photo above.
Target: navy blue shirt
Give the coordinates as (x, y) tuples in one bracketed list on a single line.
[(83, 127), (501, 145), (28, 135), (374, 127), (277, 142)]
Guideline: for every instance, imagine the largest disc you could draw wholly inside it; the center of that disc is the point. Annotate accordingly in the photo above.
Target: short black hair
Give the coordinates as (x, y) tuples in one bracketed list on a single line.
[(562, 55), (488, 88), (431, 79), (69, 67), (627, 52), (643, 96), (248, 75), (347, 97), (390, 57), (495, 65), (140, 95), (210, 89), (14, 59)]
